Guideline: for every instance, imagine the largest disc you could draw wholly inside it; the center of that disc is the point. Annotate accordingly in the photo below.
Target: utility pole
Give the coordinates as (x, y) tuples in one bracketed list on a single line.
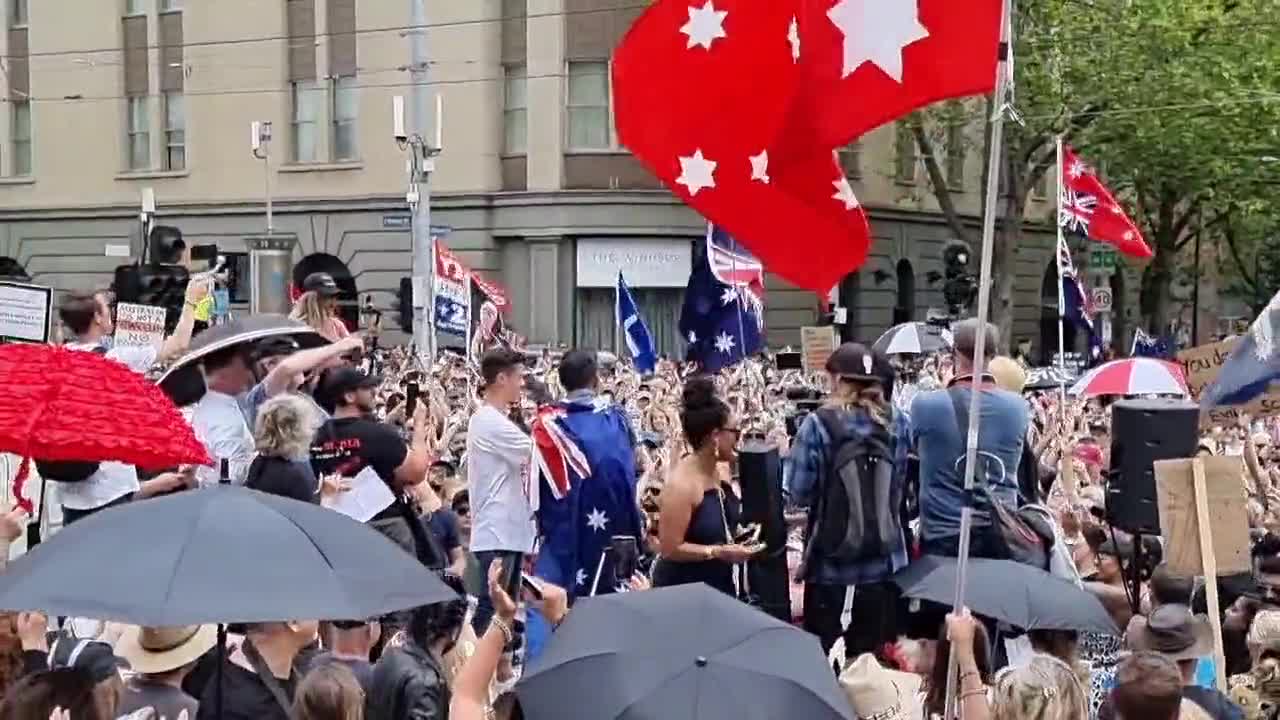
[(419, 195), (270, 256)]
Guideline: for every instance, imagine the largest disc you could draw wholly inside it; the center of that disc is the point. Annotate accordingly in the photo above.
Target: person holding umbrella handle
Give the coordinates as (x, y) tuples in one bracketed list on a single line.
[(972, 694)]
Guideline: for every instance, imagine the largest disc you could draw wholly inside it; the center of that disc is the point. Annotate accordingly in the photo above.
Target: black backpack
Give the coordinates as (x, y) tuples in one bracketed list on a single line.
[(856, 516)]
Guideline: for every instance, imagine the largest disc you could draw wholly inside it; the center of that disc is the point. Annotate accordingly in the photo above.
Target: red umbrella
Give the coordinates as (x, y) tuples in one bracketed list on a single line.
[(1133, 376), (59, 404)]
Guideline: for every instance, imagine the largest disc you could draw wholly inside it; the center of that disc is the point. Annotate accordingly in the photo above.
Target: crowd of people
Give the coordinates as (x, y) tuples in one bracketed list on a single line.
[(570, 468)]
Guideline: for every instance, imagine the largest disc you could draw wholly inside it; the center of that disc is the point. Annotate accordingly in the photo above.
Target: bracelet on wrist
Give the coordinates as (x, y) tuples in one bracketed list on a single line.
[(505, 628)]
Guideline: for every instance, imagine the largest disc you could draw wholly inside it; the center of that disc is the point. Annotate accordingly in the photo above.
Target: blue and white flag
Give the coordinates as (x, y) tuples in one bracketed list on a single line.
[(719, 321), (1253, 365), (634, 330)]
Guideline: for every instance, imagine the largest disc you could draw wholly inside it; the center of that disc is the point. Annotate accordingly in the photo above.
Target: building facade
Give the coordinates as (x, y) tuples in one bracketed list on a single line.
[(107, 98)]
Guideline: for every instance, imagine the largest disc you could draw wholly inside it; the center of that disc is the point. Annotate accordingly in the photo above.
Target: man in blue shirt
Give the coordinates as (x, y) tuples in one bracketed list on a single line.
[(939, 432)]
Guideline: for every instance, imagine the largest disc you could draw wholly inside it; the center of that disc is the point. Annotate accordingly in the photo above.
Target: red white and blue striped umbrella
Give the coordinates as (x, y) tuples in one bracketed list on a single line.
[(1133, 376)]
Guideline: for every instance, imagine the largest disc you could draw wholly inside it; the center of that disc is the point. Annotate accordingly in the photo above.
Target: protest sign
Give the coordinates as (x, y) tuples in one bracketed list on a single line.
[(1228, 519), (139, 325), (1202, 364), (24, 312), (816, 345)]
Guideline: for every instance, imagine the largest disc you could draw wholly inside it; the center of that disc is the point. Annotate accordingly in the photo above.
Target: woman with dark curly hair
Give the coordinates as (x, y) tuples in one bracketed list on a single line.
[(409, 680), (697, 509)]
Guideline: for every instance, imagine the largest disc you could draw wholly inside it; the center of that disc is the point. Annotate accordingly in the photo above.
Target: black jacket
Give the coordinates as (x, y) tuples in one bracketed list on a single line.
[(408, 684)]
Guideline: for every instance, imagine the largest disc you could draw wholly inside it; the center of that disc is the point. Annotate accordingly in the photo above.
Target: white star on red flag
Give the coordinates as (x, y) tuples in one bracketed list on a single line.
[(844, 193), (705, 26), (696, 172), (793, 36), (876, 31), (760, 167)]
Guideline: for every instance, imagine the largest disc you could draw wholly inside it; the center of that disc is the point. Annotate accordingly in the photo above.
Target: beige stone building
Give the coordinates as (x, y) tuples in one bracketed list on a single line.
[(104, 98)]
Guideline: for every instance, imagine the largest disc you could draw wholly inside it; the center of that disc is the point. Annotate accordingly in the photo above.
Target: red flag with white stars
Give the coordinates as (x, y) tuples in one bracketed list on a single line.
[(1087, 208), (703, 90), (864, 63)]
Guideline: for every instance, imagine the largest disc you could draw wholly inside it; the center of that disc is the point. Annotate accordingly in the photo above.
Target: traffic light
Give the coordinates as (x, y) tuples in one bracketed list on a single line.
[(153, 284), (404, 305), (960, 286)]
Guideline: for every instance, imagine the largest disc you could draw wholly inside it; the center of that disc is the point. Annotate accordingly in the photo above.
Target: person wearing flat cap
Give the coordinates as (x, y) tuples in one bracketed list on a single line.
[(1172, 631), (318, 306), (844, 549), (162, 657)]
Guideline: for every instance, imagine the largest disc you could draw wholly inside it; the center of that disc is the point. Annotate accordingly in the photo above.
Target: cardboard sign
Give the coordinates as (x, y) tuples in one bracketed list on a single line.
[(816, 345), (1202, 364), (24, 312), (139, 325), (1228, 516)]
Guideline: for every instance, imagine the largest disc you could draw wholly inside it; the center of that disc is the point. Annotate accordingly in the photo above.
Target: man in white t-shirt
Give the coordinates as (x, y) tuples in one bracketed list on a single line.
[(87, 318), (498, 473)]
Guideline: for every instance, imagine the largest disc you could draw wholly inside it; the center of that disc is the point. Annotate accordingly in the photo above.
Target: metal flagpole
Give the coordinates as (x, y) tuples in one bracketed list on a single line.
[(1062, 298), (1003, 83)]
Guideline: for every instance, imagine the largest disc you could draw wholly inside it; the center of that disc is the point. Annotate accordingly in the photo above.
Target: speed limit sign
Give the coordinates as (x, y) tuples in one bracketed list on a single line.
[(1101, 299)]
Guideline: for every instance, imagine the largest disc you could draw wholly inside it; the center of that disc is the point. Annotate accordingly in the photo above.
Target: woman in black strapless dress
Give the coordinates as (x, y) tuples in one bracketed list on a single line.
[(697, 509)]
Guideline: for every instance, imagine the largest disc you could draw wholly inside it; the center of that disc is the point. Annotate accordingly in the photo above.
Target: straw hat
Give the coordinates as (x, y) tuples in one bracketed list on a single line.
[(152, 650), (877, 693)]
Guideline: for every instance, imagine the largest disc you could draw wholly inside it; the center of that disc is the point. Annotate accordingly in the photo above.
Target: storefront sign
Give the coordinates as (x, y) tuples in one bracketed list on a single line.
[(645, 262), (816, 345), (24, 312)]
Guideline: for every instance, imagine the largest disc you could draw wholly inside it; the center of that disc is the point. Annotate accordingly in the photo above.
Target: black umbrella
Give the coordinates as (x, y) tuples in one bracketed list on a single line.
[(184, 382), (679, 653), (224, 554), (1018, 594)]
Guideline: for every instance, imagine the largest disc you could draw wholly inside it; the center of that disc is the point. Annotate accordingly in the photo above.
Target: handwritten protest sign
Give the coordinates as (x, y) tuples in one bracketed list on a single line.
[(24, 312), (139, 325), (816, 345), (1202, 365)]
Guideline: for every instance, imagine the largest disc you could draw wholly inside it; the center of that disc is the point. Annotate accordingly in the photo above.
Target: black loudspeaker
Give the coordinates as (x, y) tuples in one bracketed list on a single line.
[(1142, 432), (760, 479)]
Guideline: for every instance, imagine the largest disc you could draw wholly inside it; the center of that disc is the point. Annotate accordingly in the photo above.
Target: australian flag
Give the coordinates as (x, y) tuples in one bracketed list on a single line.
[(639, 342), (1254, 363), (1077, 308), (1145, 345), (722, 322)]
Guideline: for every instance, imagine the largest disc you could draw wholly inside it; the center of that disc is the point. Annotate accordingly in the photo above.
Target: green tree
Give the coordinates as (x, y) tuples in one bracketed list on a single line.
[(1092, 71)]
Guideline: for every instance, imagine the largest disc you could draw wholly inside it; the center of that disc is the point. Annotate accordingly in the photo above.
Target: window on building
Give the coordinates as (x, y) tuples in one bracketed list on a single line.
[(170, 5), (515, 110), (851, 160), (135, 7), (20, 148), (175, 132), (589, 127), (305, 114), (346, 110), (17, 13), (139, 145), (956, 149), (905, 158)]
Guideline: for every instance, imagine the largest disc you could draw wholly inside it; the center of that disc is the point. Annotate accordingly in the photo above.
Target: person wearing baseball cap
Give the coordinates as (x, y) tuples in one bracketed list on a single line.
[(847, 548), (318, 306)]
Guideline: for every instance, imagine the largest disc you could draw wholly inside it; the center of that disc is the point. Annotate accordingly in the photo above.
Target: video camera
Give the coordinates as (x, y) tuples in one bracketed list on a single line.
[(800, 402)]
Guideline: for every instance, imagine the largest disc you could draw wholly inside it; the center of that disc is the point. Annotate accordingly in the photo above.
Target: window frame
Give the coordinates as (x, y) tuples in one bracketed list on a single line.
[(903, 139), (516, 74), (170, 130), (611, 140), (139, 11), (167, 6), (135, 133), (297, 89), (15, 141), (344, 83), (18, 19), (956, 156)]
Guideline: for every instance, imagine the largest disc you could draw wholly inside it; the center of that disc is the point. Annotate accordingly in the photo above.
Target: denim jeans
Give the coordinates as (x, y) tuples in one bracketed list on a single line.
[(484, 608)]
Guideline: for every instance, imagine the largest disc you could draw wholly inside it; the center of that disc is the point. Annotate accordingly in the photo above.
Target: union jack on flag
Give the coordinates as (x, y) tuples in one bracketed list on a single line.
[(555, 453), (1076, 210), (733, 264)]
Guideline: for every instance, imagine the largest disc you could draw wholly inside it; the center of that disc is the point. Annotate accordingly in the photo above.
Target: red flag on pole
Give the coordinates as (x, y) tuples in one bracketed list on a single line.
[(1086, 207)]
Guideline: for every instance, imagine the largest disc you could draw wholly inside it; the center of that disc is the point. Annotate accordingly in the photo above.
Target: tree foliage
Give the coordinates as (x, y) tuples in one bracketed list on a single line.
[(1172, 99)]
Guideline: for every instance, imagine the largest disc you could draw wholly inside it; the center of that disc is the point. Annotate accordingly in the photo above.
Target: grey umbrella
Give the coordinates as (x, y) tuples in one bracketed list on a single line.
[(679, 653), (222, 554), (1018, 594), (183, 381)]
